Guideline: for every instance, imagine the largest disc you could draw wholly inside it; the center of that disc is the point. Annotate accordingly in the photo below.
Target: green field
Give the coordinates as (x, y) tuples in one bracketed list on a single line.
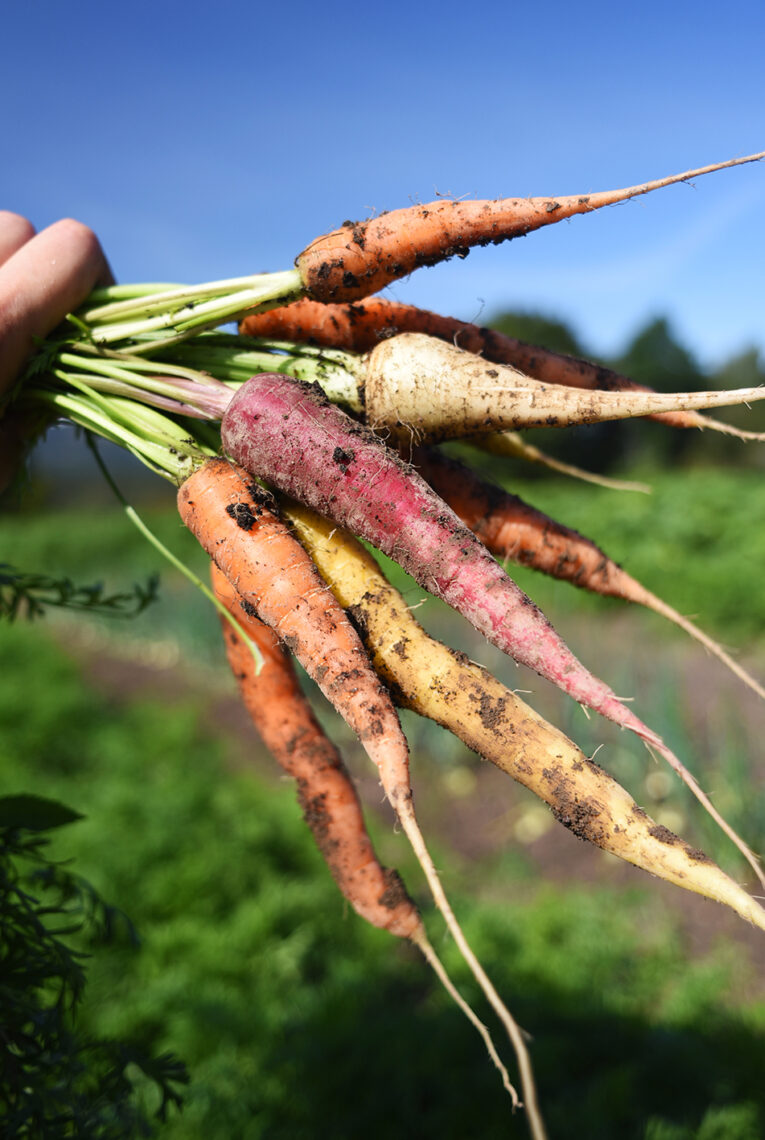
[(294, 1018)]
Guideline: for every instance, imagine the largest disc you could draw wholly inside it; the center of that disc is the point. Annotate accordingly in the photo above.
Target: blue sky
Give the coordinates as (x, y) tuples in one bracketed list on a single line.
[(202, 142)]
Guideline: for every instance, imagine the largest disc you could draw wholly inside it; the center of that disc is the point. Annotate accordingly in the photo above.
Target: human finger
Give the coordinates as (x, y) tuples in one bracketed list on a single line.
[(40, 283), (15, 231)]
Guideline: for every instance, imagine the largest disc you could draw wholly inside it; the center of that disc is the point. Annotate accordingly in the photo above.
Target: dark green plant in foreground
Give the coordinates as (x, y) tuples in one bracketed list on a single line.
[(31, 594), (54, 1081)]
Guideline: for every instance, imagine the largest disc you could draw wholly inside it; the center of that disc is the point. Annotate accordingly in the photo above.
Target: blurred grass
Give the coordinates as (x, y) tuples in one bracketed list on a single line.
[(297, 1020)]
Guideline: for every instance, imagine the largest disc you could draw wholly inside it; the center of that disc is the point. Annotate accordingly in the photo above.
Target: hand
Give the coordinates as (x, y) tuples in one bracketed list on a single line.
[(42, 278)]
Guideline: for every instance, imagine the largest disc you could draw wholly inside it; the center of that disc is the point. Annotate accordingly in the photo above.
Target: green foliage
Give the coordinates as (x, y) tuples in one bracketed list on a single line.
[(78, 544), (55, 1080)]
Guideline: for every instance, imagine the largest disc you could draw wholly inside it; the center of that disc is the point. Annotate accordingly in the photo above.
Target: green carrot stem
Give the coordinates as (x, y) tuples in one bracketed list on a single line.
[(157, 458), (144, 395), (128, 377), (141, 364), (337, 373), (107, 294), (206, 312), (174, 561), (183, 395), (144, 300), (147, 423)]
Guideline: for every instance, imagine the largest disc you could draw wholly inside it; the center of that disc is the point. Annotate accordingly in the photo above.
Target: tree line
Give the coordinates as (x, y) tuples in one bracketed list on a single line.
[(656, 357)]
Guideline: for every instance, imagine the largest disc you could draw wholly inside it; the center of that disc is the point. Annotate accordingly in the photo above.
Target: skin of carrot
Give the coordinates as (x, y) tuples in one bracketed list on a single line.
[(511, 528), (361, 326), (437, 682), (285, 722), (344, 472), (236, 522), (418, 387), (361, 258)]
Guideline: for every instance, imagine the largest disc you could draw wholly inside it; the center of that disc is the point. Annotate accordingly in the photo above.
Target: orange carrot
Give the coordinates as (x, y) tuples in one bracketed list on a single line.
[(290, 731), (510, 528), (360, 327), (236, 522), (361, 258)]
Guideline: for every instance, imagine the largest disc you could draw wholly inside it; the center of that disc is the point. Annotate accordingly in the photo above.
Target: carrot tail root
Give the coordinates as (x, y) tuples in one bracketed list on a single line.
[(655, 744)]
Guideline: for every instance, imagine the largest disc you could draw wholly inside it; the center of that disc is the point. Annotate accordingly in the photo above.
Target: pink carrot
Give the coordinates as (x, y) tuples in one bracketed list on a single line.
[(343, 471)]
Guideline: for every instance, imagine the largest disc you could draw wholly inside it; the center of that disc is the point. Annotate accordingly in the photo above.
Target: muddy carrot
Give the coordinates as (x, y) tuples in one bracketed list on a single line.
[(437, 682), (361, 258), (422, 388), (285, 722), (360, 327)]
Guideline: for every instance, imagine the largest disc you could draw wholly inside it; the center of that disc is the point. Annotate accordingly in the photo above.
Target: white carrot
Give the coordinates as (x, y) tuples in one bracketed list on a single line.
[(419, 387)]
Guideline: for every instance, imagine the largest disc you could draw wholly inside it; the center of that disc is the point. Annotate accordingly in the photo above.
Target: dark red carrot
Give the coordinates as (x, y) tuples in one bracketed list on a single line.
[(510, 528), (361, 326), (361, 258), (288, 433)]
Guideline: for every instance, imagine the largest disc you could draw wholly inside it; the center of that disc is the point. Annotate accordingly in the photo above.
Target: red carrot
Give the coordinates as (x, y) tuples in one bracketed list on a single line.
[(345, 472), (360, 327), (361, 258), (288, 433)]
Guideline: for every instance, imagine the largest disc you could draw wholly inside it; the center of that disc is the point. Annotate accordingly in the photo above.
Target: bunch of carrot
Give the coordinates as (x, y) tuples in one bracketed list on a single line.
[(309, 398)]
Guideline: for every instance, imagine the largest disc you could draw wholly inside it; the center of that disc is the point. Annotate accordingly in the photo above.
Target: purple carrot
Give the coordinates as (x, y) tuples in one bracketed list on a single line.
[(287, 432)]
